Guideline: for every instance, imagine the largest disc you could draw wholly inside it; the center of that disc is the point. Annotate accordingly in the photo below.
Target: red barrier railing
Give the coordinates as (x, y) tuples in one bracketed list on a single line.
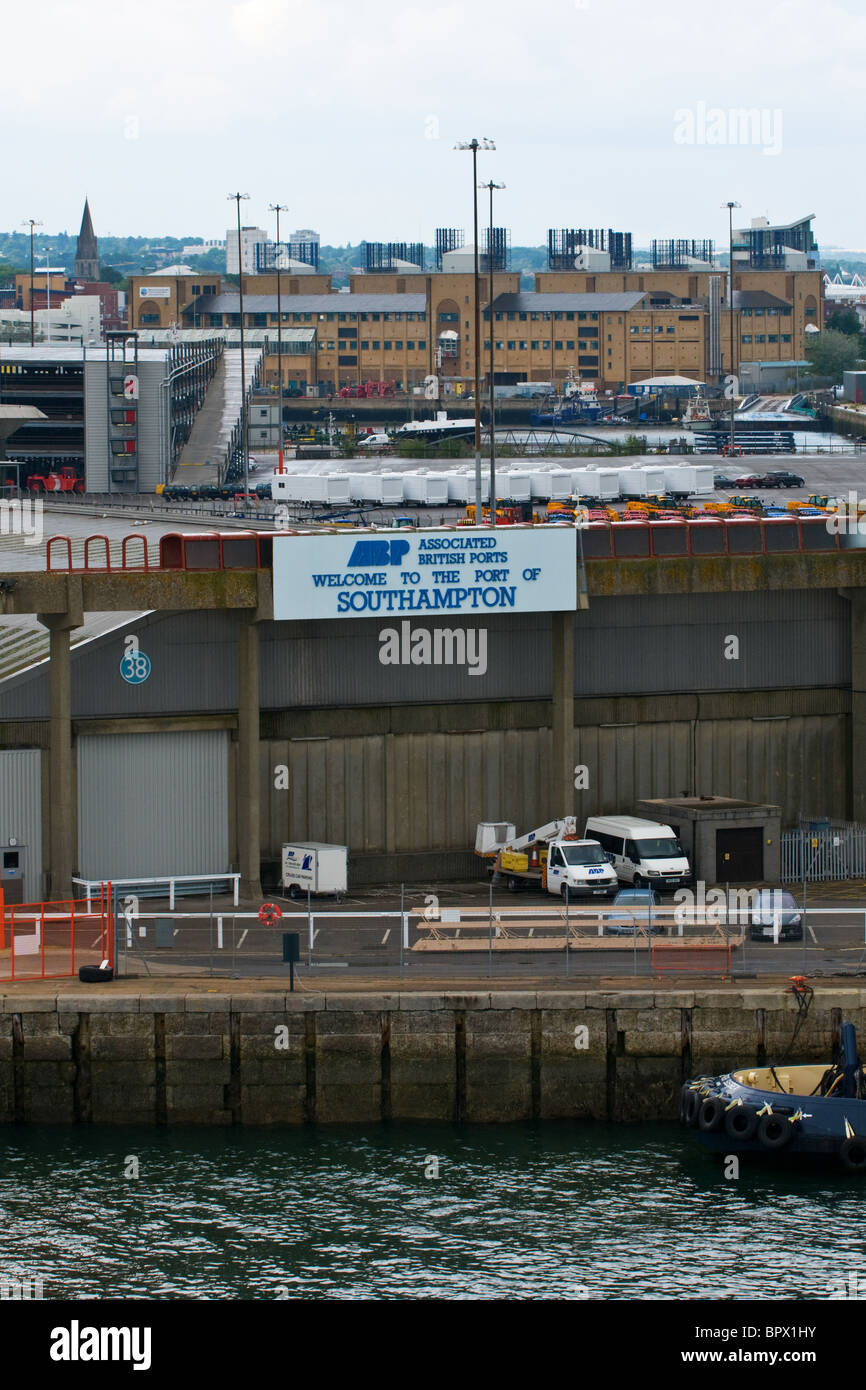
[(61, 936), (123, 560), (58, 540), (88, 543), (104, 556)]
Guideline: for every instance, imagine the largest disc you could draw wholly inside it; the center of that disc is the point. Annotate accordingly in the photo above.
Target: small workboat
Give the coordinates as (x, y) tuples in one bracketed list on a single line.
[(804, 1111)]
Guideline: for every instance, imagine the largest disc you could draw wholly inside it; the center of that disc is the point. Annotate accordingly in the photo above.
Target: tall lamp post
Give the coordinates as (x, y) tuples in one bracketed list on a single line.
[(245, 437), (730, 207), (475, 146), (31, 222), (278, 208), (490, 186)]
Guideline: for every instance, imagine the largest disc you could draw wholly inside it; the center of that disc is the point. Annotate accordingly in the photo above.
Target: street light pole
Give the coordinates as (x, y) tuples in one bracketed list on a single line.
[(475, 146), (490, 186), (278, 208), (31, 222), (734, 372), (245, 437)]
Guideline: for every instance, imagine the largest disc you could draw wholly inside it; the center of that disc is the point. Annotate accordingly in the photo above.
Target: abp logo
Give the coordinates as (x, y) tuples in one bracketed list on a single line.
[(378, 553)]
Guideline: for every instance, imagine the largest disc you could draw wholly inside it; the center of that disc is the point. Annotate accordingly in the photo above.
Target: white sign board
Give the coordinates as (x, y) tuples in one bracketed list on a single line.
[(154, 292), (470, 571)]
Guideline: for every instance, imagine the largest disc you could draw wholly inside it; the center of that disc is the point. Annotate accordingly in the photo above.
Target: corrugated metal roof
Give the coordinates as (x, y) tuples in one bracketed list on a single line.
[(531, 302), (759, 299), (24, 642)]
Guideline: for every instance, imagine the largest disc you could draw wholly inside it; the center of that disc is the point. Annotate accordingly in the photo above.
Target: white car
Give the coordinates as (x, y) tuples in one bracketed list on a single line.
[(378, 440)]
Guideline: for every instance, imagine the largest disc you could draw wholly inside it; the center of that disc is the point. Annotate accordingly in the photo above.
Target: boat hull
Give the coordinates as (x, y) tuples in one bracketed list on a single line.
[(731, 1117)]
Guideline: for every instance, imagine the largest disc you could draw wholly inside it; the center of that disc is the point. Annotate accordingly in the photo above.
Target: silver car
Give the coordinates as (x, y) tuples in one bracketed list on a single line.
[(772, 905)]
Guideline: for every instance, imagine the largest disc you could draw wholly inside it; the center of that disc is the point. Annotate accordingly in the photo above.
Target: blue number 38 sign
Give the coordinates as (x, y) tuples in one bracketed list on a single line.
[(135, 664)]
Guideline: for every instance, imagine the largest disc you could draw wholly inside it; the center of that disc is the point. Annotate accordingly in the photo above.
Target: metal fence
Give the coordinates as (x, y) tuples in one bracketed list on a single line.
[(816, 856), (51, 941), (397, 942)]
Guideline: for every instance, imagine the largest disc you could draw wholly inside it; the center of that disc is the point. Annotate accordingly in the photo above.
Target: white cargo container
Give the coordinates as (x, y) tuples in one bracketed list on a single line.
[(600, 483), (384, 488), (315, 867), (437, 489), (512, 487), (550, 484), (328, 488), (704, 480), (680, 479), (430, 489), (641, 482), (461, 486)]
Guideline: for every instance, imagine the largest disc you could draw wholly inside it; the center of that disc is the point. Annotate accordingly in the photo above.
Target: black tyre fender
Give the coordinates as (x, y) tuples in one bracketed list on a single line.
[(741, 1122), (685, 1092), (691, 1108), (711, 1115), (853, 1153), (94, 974), (774, 1131)]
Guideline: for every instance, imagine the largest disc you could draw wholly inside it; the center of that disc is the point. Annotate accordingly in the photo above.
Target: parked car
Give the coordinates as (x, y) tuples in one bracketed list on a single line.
[(782, 477), (749, 480), (635, 909), (773, 904), (721, 480)]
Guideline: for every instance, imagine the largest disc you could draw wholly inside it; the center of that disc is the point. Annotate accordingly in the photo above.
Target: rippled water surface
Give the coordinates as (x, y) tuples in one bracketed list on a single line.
[(526, 1212)]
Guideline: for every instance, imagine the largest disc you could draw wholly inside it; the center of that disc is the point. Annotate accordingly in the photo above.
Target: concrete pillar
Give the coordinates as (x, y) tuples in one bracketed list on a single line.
[(247, 780), (62, 811), (857, 598), (562, 796)]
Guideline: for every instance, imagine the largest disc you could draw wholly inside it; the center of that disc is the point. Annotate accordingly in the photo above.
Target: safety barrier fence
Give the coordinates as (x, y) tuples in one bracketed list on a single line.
[(177, 885), (820, 855), (52, 940), (601, 941)]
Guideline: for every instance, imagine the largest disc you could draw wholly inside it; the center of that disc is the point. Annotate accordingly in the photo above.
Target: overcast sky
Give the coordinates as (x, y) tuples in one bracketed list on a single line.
[(605, 113)]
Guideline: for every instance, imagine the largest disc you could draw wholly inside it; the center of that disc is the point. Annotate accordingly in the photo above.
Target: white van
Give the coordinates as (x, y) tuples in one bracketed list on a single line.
[(643, 852)]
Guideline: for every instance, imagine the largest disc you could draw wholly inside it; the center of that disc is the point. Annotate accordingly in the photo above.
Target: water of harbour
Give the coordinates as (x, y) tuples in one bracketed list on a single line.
[(569, 1211)]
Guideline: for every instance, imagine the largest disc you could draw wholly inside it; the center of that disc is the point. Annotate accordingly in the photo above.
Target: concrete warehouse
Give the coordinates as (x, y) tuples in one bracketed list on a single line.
[(178, 772)]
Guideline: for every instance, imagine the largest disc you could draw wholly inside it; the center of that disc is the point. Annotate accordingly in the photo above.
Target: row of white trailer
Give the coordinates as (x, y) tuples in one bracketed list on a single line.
[(457, 488)]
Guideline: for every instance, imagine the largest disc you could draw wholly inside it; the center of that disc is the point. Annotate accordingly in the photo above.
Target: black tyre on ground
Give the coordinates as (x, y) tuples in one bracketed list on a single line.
[(94, 974)]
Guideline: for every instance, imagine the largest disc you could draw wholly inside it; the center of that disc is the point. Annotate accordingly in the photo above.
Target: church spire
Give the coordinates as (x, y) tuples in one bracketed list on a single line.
[(86, 251)]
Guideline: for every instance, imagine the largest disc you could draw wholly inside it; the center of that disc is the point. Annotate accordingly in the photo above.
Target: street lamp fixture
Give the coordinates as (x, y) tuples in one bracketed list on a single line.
[(245, 433), (490, 186), (475, 146), (278, 208), (734, 369), (31, 222)]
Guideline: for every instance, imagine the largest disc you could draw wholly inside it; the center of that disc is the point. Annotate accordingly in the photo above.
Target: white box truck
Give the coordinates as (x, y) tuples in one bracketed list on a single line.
[(315, 867), (645, 853)]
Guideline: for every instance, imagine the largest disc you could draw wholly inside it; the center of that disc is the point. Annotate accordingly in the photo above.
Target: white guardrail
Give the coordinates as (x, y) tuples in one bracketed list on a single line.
[(90, 885)]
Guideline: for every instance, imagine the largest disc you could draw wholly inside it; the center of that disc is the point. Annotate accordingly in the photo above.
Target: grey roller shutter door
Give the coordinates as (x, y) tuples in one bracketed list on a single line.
[(21, 812), (151, 805)]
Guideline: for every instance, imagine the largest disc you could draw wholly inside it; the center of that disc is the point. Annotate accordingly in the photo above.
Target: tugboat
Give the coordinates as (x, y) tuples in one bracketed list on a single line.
[(696, 415), (813, 1111)]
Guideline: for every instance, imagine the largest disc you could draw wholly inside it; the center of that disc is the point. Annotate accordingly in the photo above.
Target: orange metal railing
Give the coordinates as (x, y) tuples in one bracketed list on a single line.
[(58, 937)]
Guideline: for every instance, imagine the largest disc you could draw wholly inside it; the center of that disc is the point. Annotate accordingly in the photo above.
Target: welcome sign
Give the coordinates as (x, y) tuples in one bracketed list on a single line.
[(469, 571)]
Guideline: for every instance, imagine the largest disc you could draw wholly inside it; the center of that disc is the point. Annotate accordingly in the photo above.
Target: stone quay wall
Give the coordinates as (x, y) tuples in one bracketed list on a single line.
[(116, 1056)]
